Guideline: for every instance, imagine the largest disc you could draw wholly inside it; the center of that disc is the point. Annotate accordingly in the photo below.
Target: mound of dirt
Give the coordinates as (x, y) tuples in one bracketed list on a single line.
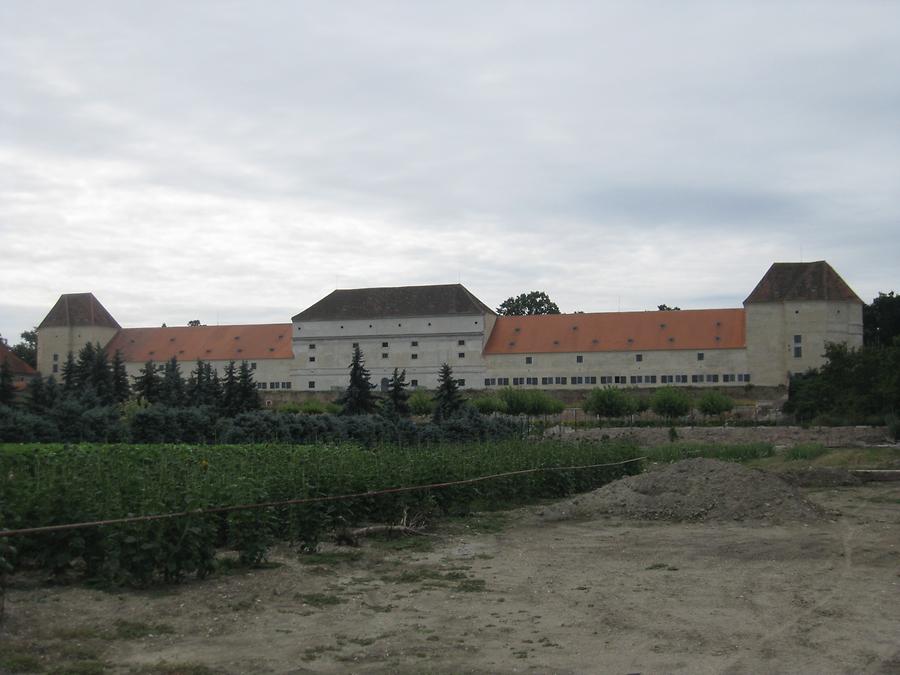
[(694, 490)]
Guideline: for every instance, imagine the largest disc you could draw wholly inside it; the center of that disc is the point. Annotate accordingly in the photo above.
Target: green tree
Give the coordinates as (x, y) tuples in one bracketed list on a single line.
[(120, 388), (609, 402), (881, 320), (203, 386), (670, 402), (713, 403), (37, 395), (147, 383), (27, 348), (171, 388), (447, 399), (69, 374), (230, 402), (249, 395), (358, 398), (528, 304), (665, 308), (421, 403), (7, 391), (397, 394)]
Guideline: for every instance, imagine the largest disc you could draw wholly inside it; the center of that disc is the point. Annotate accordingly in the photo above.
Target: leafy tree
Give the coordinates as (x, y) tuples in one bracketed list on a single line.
[(447, 399), (713, 403), (171, 388), (37, 396), (358, 398), (666, 308), (27, 348), (528, 304), (421, 403), (147, 383), (120, 388), (670, 402), (193, 323), (609, 402), (881, 320), (7, 391), (397, 394)]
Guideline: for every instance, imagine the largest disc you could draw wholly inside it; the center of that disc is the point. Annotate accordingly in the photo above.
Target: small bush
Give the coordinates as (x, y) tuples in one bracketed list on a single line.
[(609, 402), (489, 403), (713, 403), (670, 402), (530, 402), (420, 403), (313, 406), (806, 451)]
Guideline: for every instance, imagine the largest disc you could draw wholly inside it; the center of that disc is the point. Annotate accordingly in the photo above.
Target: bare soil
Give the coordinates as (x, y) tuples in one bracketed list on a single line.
[(504, 593)]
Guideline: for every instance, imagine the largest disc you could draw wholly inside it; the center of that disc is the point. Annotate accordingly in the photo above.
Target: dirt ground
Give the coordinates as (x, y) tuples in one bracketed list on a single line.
[(505, 593)]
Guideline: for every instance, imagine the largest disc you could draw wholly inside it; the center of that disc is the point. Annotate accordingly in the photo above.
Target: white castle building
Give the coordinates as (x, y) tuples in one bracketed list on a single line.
[(782, 328)]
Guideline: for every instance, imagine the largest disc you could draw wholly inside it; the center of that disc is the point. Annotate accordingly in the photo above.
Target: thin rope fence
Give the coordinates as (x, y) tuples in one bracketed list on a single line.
[(302, 500)]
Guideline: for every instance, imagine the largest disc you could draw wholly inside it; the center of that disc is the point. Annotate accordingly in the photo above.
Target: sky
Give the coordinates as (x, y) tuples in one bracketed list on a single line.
[(233, 162)]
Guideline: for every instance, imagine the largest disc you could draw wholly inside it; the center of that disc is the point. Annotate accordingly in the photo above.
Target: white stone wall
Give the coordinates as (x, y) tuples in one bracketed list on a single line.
[(652, 364), (419, 345)]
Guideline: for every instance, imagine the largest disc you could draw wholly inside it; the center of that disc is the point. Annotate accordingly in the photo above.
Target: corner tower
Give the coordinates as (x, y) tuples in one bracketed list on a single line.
[(75, 320), (794, 311)]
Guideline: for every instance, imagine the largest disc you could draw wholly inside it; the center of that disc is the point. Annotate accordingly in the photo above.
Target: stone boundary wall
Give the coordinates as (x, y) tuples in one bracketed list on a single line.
[(831, 437)]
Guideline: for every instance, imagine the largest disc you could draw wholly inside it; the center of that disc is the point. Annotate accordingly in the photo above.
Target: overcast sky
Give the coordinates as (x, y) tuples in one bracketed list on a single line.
[(236, 161)]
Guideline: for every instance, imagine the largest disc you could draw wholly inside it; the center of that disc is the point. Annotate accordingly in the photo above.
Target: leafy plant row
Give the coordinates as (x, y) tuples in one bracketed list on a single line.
[(53, 484)]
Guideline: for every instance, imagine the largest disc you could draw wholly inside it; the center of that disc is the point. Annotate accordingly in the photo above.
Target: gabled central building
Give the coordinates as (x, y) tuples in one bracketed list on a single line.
[(416, 328)]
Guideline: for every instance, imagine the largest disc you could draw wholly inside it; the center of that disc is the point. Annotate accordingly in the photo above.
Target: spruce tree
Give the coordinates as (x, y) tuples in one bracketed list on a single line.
[(51, 392), (447, 399), (230, 402), (84, 366), (172, 386), (358, 398), (37, 396), (397, 393), (147, 383), (7, 391), (121, 390), (69, 374), (100, 377), (249, 396)]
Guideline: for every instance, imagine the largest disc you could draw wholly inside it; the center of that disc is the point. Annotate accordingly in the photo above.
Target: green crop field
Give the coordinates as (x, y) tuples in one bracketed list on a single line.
[(53, 484)]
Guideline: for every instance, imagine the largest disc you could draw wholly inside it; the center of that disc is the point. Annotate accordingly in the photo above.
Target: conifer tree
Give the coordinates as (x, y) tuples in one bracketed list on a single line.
[(37, 397), (84, 366), (120, 388), (397, 393), (147, 383), (100, 377), (7, 391), (249, 396), (447, 399), (51, 392), (69, 374), (172, 386), (358, 398), (230, 401)]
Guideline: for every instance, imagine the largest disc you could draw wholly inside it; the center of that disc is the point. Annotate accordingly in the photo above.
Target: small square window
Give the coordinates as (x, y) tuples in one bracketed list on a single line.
[(461, 383), (414, 356), (798, 352), (638, 357), (273, 385), (260, 385), (700, 356), (461, 343), (312, 346), (384, 344), (414, 343), (461, 355), (253, 365), (285, 385), (312, 359), (528, 360), (797, 339), (414, 383), (56, 357), (384, 355), (355, 345), (579, 359), (311, 384)]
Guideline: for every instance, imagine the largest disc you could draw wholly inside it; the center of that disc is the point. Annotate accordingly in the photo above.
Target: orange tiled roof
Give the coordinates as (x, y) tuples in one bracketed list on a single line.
[(618, 331), (16, 365), (209, 343)]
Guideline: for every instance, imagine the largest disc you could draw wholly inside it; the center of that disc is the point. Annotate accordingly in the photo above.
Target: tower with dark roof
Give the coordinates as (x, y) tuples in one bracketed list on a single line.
[(795, 310), (75, 320)]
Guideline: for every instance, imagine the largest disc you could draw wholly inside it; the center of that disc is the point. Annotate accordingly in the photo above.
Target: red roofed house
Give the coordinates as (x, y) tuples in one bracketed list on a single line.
[(22, 372), (782, 328)]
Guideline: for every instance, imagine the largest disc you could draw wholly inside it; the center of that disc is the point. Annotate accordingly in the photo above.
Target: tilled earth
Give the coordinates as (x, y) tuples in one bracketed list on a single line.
[(510, 593)]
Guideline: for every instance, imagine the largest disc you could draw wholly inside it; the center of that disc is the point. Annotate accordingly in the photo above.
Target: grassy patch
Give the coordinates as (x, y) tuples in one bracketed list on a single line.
[(471, 586), (412, 544), (329, 557), (18, 659), (90, 667), (805, 451), (165, 668)]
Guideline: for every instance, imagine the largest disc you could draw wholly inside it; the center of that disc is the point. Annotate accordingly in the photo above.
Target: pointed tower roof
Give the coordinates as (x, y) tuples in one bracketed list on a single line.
[(801, 281), (79, 309)]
